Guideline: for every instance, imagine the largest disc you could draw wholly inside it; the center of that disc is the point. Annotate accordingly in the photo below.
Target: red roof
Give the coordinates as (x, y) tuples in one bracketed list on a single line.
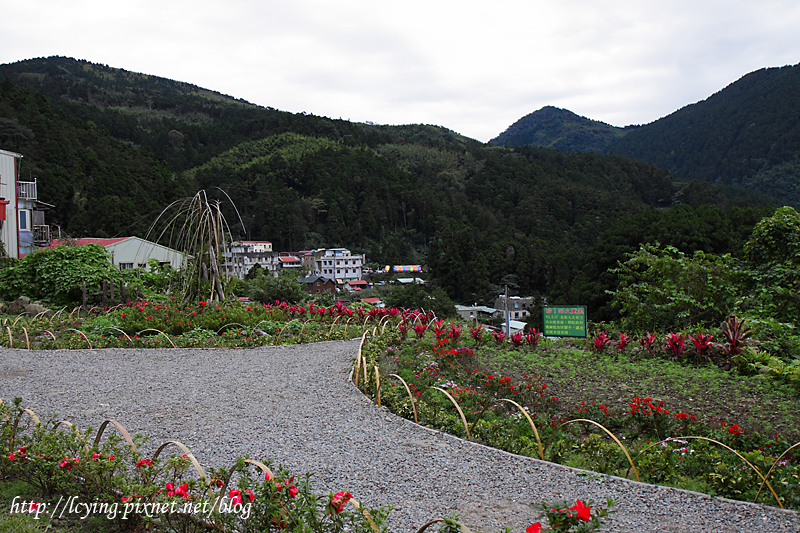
[(88, 240), (371, 300), (288, 259), (357, 282)]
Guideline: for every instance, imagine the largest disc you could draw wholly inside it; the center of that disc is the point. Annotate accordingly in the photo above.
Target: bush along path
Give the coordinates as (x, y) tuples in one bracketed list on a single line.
[(436, 379)]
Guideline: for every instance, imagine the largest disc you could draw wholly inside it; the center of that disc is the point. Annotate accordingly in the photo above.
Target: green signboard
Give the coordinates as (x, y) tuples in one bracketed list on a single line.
[(564, 321)]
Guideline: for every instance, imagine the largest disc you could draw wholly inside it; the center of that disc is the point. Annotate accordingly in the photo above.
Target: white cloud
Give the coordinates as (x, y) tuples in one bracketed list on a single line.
[(474, 67)]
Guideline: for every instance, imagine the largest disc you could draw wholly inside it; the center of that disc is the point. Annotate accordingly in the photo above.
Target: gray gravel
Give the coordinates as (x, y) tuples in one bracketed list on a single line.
[(295, 405)]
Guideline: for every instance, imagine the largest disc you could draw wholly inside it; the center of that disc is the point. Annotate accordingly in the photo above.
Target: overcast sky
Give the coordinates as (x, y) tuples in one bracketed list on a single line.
[(473, 67)]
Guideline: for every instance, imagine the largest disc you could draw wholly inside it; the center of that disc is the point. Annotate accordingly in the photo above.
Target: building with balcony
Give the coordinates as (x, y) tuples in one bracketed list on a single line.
[(22, 225), (336, 263), (519, 307)]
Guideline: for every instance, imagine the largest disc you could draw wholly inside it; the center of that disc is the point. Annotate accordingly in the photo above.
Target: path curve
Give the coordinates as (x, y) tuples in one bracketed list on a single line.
[(295, 405)]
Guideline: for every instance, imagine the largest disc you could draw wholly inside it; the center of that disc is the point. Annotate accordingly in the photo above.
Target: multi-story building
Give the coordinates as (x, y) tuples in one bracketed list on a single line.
[(336, 263), (243, 255), (518, 306), (22, 226)]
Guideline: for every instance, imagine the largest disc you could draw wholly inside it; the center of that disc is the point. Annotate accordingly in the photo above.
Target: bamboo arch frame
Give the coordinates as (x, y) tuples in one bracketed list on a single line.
[(740, 456), (601, 426), (159, 332), (410, 397)]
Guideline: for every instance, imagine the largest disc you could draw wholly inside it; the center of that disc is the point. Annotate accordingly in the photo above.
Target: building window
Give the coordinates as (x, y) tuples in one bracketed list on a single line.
[(125, 266), (24, 220)]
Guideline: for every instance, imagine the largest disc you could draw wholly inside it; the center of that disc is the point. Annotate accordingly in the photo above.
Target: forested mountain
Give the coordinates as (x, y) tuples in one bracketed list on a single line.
[(746, 135), (111, 149), (552, 127)]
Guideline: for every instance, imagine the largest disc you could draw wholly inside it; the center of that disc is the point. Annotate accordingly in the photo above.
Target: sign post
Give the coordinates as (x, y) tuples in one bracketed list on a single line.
[(564, 321)]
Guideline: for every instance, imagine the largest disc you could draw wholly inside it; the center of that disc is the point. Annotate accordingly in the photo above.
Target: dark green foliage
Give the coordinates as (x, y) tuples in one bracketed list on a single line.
[(561, 129), (99, 186), (265, 288), (112, 148), (418, 297), (57, 275), (664, 289), (747, 134), (773, 253), (710, 229)]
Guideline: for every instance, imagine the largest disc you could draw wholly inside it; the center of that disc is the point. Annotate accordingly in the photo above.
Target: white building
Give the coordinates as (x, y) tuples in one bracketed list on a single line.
[(133, 252), (336, 263), (22, 227)]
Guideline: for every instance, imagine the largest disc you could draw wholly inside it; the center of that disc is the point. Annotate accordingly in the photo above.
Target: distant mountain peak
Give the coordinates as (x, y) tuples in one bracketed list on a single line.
[(561, 129)]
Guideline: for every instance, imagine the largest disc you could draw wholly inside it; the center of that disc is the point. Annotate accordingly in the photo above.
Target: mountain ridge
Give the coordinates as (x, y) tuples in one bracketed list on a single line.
[(747, 134)]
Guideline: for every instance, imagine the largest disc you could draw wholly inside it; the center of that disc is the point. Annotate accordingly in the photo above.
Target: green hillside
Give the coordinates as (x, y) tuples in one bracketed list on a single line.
[(111, 149), (745, 136), (560, 129)]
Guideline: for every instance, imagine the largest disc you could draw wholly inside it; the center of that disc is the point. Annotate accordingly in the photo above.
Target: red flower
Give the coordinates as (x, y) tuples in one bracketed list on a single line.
[(235, 496), (734, 430), (293, 491), (584, 512), (339, 500), (534, 528)]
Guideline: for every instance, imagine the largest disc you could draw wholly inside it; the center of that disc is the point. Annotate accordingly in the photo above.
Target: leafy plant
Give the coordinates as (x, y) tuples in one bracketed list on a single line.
[(601, 341), (578, 518), (675, 345)]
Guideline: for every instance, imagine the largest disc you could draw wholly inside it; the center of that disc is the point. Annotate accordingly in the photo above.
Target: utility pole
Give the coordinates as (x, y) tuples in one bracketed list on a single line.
[(508, 320)]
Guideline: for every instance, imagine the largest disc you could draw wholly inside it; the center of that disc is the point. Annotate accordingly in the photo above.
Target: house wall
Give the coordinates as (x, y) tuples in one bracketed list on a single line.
[(9, 165), (136, 251)]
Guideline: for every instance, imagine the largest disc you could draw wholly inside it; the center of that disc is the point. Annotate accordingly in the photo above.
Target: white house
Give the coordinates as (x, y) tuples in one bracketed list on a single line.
[(133, 252), (22, 227), (336, 263)]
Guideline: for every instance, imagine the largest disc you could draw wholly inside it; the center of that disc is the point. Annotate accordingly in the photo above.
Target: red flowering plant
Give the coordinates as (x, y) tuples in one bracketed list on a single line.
[(286, 501), (532, 338), (623, 341), (438, 328), (702, 345), (578, 518), (477, 334), (499, 337), (516, 339), (601, 341), (650, 417), (649, 342), (675, 345), (455, 332)]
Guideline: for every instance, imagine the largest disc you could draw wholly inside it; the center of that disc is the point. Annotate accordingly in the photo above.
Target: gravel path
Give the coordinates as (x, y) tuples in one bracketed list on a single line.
[(295, 405)]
